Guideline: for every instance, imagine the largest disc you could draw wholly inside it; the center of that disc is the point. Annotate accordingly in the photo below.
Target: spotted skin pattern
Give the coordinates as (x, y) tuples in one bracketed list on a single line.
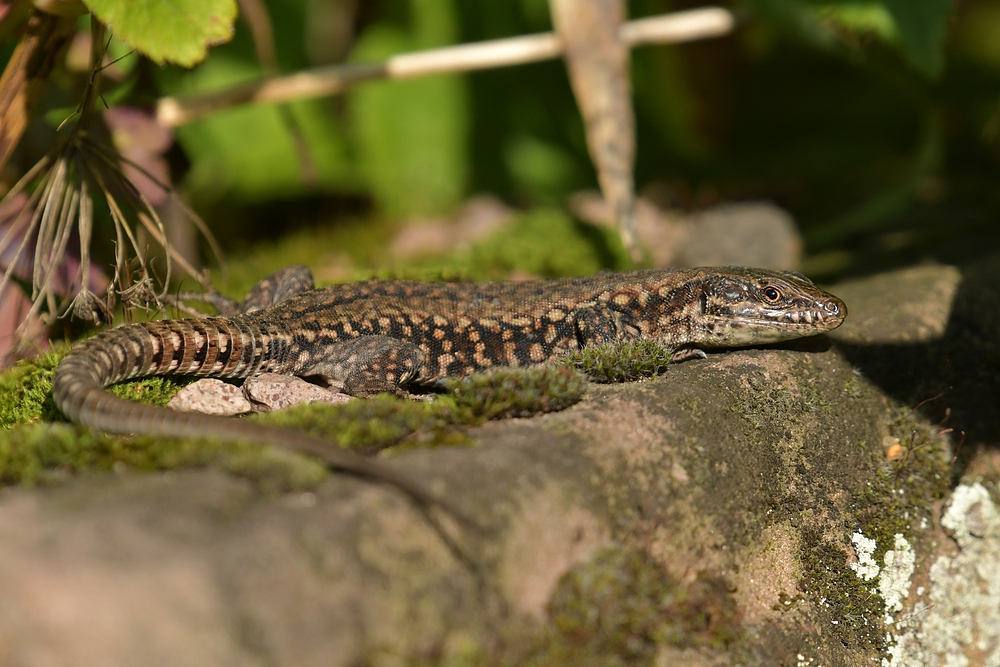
[(376, 336)]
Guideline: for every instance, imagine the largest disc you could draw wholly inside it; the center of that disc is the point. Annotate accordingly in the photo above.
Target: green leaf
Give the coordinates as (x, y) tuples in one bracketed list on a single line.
[(863, 18), (922, 26), (797, 18), (176, 31)]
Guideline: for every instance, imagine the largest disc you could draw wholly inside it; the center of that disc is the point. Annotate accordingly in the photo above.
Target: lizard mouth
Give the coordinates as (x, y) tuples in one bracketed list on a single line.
[(821, 315), (762, 326)]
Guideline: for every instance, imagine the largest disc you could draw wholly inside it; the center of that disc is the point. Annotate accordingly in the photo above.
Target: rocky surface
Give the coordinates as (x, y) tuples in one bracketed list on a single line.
[(710, 516), (739, 234)]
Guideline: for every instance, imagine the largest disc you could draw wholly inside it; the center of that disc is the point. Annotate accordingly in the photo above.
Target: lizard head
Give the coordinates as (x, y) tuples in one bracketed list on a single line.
[(756, 306)]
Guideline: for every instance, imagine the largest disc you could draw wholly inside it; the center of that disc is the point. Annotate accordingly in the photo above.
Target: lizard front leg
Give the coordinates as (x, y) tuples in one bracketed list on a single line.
[(366, 365), (599, 324)]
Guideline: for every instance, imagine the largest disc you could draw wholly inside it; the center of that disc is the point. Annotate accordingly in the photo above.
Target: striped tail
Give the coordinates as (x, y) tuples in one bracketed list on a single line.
[(220, 347)]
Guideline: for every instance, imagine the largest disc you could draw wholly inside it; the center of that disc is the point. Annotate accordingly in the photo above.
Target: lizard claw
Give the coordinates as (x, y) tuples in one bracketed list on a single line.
[(686, 354)]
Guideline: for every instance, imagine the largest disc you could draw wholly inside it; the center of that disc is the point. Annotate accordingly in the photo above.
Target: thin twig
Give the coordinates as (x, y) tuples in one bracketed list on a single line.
[(213, 243), (147, 214), (675, 27)]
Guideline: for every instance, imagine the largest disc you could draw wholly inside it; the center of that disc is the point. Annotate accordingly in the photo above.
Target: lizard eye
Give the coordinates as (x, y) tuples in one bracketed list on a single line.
[(771, 295)]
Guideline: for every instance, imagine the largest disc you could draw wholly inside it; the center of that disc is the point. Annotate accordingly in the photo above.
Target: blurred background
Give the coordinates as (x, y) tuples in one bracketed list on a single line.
[(865, 136)]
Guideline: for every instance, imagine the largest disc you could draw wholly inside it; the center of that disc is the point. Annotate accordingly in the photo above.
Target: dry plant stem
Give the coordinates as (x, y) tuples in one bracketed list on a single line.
[(85, 225), (150, 219), (597, 60), (55, 224), (64, 181), (676, 27), (17, 227), (24, 78), (255, 14)]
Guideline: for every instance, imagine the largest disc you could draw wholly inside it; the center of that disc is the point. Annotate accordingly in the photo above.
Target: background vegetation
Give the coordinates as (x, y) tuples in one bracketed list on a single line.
[(876, 124)]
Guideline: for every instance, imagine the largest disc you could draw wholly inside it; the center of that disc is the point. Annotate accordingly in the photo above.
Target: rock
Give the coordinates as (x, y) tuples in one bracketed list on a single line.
[(271, 391), (709, 516), (478, 219), (961, 599), (742, 234), (666, 500), (911, 305), (738, 234), (211, 397)]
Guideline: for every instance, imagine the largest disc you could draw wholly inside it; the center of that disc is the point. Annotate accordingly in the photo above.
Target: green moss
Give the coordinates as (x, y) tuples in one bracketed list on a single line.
[(617, 607), (151, 391), (623, 361), (35, 451), (847, 599), (546, 243), (273, 469), (349, 247), (765, 402), (385, 421), (516, 392), (901, 492), (543, 242), (41, 453), (375, 424), (26, 390)]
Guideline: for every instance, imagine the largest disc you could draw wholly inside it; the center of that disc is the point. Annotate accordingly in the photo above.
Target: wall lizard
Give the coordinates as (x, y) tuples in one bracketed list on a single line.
[(369, 337)]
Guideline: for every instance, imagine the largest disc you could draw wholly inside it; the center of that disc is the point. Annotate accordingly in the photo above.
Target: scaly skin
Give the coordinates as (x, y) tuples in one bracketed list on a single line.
[(368, 337)]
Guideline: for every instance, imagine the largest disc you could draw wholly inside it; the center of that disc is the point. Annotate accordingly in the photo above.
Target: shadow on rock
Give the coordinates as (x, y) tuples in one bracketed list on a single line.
[(930, 337)]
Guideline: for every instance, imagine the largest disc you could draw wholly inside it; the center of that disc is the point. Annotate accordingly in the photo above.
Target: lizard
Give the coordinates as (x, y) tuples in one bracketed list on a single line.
[(378, 336)]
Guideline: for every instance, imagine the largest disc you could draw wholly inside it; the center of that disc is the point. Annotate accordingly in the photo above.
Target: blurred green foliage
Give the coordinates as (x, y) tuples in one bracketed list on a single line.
[(874, 122), (412, 136)]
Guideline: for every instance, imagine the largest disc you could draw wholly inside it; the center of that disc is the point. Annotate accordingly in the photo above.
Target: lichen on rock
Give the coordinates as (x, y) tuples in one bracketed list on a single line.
[(958, 616)]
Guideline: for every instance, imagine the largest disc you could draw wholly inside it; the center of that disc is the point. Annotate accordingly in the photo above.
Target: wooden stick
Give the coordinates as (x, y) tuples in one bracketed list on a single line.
[(672, 28)]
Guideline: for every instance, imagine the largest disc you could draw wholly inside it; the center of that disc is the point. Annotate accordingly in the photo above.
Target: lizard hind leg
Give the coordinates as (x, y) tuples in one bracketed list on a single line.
[(272, 290), (367, 365), (277, 288)]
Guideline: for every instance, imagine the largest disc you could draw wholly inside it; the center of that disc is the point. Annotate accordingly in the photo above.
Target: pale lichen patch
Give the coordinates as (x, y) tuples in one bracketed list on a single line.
[(864, 564), (894, 581), (957, 620)]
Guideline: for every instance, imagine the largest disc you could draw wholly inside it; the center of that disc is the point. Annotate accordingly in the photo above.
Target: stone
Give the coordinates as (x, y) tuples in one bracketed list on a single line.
[(273, 391), (211, 397)]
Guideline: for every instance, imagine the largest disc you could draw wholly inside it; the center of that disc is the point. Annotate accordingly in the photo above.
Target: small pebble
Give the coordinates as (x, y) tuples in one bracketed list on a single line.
[(211, 397), (272, 391)]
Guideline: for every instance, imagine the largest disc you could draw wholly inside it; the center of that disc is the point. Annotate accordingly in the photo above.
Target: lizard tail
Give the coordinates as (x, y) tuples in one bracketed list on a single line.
[(233, 347), (222, 349)]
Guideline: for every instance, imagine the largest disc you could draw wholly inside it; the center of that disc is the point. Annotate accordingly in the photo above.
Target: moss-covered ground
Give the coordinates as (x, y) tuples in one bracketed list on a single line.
[(37, 446)]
